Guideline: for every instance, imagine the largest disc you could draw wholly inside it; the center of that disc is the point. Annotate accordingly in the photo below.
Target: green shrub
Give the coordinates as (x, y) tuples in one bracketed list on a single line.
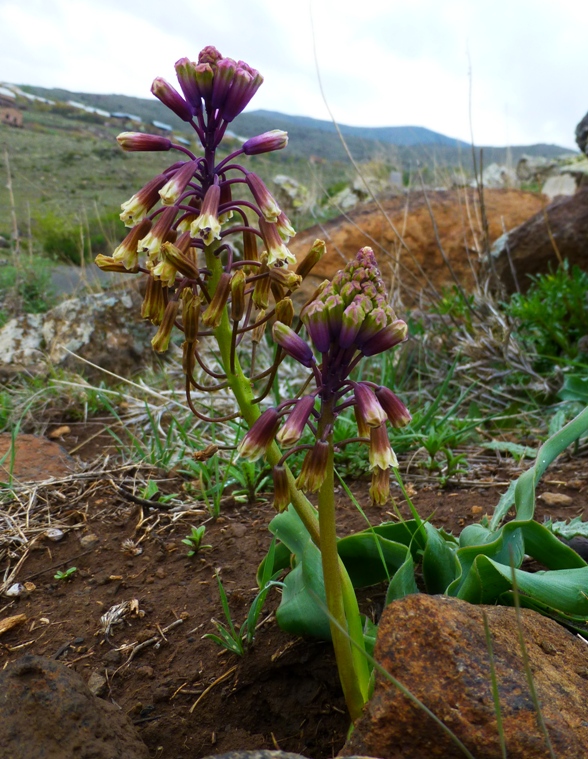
[(552, 315)]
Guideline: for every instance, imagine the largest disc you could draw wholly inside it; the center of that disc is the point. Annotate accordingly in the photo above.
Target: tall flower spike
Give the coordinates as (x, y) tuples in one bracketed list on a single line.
[(260, 436)]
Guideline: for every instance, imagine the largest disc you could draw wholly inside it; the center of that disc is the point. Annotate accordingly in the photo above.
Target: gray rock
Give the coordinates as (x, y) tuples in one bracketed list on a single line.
[(563, 184), (48, 712), (582, 134), (104, 328)]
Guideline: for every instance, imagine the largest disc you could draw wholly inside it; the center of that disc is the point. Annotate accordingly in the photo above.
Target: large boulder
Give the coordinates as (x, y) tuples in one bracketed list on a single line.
[(104, 328), (48, 712), (436, 647), (582, 135), (422, 266), (559, 231)]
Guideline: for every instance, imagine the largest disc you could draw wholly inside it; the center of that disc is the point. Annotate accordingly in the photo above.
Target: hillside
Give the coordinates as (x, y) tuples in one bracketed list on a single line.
[(403, 145)]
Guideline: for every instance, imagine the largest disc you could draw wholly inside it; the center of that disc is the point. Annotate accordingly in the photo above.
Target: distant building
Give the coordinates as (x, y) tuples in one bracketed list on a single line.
[(182, 141), (11, 117), (88, 108), (7, 97), (162, 126), (126, 116)]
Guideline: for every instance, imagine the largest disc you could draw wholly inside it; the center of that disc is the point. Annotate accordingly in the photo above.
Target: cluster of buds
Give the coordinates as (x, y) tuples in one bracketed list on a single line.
[(204, 204), (349, 319)]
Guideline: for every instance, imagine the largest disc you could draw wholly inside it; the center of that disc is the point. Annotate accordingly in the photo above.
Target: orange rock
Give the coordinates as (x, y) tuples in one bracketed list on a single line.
[(436, 647)]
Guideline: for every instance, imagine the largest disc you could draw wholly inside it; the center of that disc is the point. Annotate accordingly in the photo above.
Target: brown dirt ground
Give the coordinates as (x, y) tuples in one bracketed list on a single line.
[(187, 697)]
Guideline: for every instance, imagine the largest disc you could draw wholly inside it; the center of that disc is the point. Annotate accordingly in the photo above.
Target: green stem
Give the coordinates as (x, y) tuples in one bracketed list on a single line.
[(341, 599)]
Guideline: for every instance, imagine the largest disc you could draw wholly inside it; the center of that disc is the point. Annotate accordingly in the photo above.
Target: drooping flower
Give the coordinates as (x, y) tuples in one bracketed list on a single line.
[(314, 468), (293, 429), (260, 436), (207, 225), (275, 139)]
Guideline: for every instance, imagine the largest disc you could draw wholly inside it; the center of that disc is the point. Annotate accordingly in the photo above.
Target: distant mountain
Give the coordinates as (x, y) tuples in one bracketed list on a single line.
[(405, 135), (404, 146)]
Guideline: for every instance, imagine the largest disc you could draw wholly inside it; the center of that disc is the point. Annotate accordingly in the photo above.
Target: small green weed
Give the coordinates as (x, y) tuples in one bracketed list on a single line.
[(194, 540), (66, 574)]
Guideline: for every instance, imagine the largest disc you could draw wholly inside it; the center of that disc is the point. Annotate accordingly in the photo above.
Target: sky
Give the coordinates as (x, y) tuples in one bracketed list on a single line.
[(512, 71)]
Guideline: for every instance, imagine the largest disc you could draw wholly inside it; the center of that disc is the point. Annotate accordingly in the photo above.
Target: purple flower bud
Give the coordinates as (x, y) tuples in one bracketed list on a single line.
[(137, 141), (275, 139), (395, 409), (373, 323), (223, 79), (316, 321), (171, 98), (369, 406), (293, 344), (135, 209), (264, 199), (171, 191), (380, 487), (387, 338), (349, 290), (209, 54), (314, 468), (293, 429), (260, 436), (351, 322), (281, 488), (334, 308), (246, 82), (381, 453), (186, 71)]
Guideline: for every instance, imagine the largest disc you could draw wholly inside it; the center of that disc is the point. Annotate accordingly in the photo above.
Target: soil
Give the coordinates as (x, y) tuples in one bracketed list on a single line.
[(187, 696)]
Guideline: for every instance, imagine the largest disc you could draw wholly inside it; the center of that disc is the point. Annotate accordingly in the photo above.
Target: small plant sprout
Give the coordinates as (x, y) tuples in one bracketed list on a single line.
[(67, 574), (194, 540)]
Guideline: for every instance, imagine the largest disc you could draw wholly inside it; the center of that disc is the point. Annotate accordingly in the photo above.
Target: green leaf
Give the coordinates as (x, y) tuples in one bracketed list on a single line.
[(568, 530), (440, 563), (370, 558), (575, 388), (403, 583), (518, 451)]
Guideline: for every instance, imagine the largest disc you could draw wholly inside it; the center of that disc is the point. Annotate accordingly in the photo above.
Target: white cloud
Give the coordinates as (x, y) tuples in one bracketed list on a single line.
[(382, 62)]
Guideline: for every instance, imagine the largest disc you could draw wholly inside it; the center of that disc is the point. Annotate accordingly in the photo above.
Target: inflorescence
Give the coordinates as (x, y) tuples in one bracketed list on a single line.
[(208, 205), (348, 320)]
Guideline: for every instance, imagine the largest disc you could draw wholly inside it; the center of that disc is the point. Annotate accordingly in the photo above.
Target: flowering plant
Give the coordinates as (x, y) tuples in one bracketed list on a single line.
[(194, 233)]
